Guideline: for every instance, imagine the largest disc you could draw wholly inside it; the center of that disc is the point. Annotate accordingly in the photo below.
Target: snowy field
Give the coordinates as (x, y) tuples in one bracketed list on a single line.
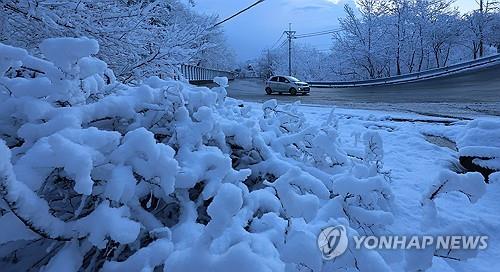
[(165, 176), (415, 161)]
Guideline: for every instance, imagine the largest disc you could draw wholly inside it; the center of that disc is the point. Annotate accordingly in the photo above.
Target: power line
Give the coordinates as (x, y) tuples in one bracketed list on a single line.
[(314, 34), (291, 35), (282, 44), (322, 31), (318, 32), (238, 13), (277, 42)]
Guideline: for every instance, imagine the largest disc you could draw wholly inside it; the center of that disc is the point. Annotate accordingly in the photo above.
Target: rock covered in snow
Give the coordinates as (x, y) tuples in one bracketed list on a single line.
[(221, 81), (479, 146)]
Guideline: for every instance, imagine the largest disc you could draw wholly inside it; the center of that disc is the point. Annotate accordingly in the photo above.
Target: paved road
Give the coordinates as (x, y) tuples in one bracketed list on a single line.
[(470, 93)]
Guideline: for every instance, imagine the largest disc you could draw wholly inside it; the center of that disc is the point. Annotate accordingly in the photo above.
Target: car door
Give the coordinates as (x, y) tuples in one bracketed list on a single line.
[(279, 84), (274, 84), (284, 84)]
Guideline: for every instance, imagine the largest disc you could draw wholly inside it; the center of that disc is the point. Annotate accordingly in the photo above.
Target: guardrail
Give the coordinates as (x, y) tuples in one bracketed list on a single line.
[(200, 74), (433, 73)]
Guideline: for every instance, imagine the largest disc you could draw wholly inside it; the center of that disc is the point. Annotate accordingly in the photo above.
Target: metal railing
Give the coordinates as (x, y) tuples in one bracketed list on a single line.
[(200, 74), (433, 73)]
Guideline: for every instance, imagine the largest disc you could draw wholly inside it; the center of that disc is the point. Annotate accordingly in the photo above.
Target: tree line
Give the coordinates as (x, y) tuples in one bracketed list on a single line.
[(381, 38)]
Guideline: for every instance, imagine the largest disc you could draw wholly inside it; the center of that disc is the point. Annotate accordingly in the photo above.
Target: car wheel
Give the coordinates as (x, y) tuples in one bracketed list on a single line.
[(293, 91), (269, 91), (304, 94)]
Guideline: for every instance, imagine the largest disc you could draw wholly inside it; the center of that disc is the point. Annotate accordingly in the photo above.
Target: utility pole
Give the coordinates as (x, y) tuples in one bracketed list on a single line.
[(481, 26), (269, 64), (291, 35)]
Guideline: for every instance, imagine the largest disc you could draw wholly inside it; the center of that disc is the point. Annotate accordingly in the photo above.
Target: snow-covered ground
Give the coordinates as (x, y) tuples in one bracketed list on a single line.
[(415, 161), (163, 175)]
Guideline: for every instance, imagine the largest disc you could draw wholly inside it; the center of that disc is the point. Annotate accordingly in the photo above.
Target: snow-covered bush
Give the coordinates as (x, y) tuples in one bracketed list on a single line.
[(473, 187), (95, 174)]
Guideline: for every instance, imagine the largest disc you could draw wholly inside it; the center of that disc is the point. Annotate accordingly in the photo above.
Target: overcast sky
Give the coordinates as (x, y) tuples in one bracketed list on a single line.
[(260, 27)]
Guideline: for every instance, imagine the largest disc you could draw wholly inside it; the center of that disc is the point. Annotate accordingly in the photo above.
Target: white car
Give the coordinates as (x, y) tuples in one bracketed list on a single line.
[(286, 84)]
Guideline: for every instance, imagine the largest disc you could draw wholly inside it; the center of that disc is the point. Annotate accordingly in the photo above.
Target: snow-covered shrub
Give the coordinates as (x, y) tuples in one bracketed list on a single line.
[(374, 149), (95, 175), (473, 186)]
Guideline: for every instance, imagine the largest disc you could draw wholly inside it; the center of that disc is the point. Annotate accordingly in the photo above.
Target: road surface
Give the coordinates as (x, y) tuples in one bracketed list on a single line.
[(470, 93)]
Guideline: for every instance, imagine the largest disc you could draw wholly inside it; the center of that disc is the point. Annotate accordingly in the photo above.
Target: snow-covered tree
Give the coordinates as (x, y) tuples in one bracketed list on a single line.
[(381, 38), (481, 27), (139, 38), (362, 39), (308, 63), (393, 37)]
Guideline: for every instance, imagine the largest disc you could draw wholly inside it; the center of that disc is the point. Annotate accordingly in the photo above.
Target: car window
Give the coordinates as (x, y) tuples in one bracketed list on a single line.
[(293, 79), (282, 79), (274, 79)]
